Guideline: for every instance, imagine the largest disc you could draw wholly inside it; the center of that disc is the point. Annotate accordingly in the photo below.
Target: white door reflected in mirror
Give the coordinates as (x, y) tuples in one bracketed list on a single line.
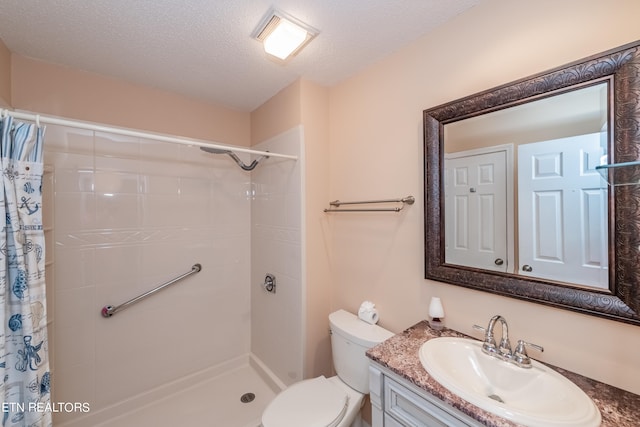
[(562, 211), (478, 202), (522, 195)]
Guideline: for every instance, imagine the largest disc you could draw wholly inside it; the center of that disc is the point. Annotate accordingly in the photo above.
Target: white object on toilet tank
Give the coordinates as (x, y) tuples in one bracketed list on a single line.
[(350, 340)]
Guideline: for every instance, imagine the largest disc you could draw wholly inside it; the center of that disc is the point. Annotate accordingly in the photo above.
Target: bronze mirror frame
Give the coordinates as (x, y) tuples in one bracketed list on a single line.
[(621, 68)]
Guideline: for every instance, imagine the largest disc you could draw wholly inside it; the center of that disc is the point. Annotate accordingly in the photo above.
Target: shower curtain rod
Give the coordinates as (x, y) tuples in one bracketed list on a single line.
[(137, 134)]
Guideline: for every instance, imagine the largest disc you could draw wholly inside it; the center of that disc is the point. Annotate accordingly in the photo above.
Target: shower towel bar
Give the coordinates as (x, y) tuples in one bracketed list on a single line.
[(109, 310), (409, 200)]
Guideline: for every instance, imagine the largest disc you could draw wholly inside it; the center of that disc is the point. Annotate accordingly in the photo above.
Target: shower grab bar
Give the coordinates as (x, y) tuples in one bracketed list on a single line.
[(109, 310), (409, 200)]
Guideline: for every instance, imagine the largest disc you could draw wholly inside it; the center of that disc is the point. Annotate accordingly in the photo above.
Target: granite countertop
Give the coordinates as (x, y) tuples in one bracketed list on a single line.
[(399, 354)]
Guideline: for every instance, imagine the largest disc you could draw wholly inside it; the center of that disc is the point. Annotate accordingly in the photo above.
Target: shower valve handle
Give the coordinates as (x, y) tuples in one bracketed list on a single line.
[(270, 283)]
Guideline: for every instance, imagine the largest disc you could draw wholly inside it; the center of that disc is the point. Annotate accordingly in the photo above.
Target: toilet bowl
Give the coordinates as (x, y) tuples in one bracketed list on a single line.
[(335, 401)]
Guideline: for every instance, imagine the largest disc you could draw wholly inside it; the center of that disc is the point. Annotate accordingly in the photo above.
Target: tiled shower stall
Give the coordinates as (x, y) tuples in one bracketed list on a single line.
[(130, 214)]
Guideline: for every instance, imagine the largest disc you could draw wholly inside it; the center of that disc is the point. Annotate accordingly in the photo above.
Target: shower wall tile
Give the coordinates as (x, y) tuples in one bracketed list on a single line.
[(116, 183), (69, 140), (193, 170), (159, 211), (74, 180), (195, 210), (164, 168), (74, 211), (276, 245), (75, 314), (153, 266), (116, 263), (75, 267), (69, 162), (196, 156), (71, 382), (157, 151), (195, 187), (111, 145), (116, 164), (129, 215), (159, 184), (117, 211)]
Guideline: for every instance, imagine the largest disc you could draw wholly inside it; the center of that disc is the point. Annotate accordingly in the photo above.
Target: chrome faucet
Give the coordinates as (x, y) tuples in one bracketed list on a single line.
[(503, 351)]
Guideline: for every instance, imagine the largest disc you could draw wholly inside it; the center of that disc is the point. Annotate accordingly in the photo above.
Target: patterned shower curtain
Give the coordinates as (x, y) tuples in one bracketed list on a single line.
[(24, 363)]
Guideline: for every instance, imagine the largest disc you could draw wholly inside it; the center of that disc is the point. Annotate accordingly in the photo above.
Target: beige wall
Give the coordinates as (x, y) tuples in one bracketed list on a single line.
[(376, 152), (50, 89), (5, 76), (315, 119), (278, 114)]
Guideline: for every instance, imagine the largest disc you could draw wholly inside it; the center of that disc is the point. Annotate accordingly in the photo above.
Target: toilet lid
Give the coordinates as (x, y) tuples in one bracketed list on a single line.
[(310, 403)]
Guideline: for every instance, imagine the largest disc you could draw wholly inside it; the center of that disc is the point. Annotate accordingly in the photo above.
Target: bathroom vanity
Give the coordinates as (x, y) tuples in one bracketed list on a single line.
[(396, 402), (404, 394)]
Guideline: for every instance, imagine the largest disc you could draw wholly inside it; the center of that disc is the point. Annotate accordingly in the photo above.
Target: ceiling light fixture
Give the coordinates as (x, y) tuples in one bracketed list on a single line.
[(282, 35)]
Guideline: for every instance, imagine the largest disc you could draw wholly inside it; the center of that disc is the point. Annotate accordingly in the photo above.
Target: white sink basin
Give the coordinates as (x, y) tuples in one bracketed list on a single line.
[(538, 396)]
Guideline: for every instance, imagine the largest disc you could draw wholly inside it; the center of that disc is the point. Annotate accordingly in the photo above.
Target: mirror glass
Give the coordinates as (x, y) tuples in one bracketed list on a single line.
[(522, 194), (513, 202)]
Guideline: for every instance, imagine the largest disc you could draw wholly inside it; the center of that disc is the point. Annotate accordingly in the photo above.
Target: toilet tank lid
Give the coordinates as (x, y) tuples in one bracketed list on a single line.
[(359, 331)]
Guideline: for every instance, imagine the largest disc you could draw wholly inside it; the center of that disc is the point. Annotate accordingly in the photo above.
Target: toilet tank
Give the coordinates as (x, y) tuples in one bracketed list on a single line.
[(350, 340)]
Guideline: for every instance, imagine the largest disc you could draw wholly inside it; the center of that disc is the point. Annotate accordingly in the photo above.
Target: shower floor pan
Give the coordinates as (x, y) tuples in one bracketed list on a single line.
[(217, 401)]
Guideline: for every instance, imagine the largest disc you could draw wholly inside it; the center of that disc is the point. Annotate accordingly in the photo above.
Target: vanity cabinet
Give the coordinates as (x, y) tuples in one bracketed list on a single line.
[(395, 402)]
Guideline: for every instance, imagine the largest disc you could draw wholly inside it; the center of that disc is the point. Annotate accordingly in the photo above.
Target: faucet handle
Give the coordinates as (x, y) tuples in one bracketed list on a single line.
[(480, 328), (522, 344), (520, 356)]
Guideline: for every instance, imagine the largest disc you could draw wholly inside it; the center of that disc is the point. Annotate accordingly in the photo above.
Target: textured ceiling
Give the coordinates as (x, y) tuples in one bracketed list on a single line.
[(204, 49)]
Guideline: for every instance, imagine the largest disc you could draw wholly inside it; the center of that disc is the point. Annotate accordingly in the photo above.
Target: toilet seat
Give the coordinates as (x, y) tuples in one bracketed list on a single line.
[(310, 403)]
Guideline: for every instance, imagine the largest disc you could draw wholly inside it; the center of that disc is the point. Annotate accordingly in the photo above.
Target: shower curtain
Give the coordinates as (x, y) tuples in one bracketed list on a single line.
[(24, 363)]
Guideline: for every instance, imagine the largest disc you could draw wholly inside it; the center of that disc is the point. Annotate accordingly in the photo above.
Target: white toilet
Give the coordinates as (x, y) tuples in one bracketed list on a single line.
[(333, 402)]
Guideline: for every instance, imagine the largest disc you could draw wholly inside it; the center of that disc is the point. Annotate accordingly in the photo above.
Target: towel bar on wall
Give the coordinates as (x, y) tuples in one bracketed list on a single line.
[(109, 310), (409, 200)]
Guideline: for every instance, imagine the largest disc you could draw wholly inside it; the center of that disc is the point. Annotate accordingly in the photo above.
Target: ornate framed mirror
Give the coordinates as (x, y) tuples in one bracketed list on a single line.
[(515, 202)]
